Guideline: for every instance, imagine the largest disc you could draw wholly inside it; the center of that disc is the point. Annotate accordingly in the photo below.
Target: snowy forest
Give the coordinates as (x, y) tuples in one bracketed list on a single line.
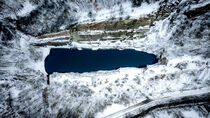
[(104, 58)]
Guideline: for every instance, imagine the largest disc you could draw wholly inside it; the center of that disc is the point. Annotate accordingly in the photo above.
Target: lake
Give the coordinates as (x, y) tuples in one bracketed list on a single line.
[(86, 60)]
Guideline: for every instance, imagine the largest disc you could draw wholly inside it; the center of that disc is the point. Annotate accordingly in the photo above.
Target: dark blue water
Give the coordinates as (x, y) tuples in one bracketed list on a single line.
[(86, 60)]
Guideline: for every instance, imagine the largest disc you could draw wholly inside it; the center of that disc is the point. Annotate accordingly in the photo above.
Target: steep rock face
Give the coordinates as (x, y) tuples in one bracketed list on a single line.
[(115, 30), (115, 25)]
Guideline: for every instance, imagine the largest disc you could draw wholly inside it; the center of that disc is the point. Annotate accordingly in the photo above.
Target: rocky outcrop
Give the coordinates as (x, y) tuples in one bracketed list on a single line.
[(57, 34), (197, 11), (64, 38), (115, 25), (106, 30)]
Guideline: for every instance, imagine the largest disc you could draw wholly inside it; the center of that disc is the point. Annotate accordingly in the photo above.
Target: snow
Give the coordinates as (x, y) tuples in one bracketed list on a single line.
[(14, 92), (201, 3), (39, 65), (124, 10), (191, 114), (27, 8), (101, 93), (134, 85), (132, 81), (187, 112), (109, 110), (144, 9)]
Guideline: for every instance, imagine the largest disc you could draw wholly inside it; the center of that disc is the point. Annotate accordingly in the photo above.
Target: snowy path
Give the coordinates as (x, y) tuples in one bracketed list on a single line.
[(184, 97)]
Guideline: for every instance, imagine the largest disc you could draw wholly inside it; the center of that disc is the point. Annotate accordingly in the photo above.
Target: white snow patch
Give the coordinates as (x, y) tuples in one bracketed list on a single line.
[(14, 92), (109, 110), (144, 9), (27, 8), (124, 10), (39, 65), (191, 114)]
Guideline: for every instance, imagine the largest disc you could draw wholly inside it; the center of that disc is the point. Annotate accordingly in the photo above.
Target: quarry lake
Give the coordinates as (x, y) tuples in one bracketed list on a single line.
[(86, 60)]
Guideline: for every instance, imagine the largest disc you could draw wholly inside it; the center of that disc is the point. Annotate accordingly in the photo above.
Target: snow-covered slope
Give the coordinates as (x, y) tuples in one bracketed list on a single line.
[(182, 44)]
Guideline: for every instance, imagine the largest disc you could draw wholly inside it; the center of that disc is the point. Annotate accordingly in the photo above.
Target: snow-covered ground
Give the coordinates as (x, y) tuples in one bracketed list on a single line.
[(27, 8), (184, 65), (122, 10), (128, 86)]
